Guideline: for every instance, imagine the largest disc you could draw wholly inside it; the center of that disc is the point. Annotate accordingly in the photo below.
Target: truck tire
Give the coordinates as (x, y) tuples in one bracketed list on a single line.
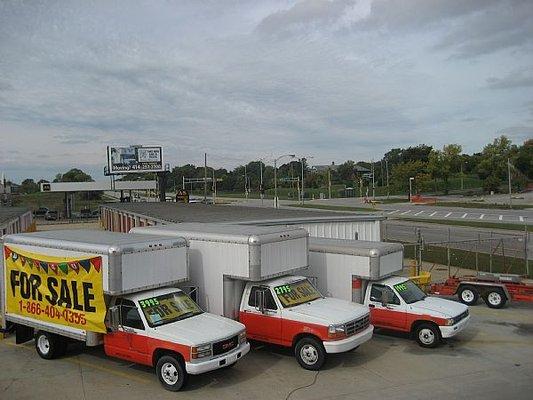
[(48, 345), (427, 335), (171, 373), (495, 298), (468, 295), (310, 353)]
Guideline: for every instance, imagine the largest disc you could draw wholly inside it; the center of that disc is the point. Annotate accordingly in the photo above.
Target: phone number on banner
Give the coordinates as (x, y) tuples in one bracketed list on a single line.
[(72, 317)]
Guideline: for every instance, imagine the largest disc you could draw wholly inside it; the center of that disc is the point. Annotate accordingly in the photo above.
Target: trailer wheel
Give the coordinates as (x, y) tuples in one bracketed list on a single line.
[(47, 345), (495, 298), (427, 335), (171, 373), (468, 295), (310, 353)]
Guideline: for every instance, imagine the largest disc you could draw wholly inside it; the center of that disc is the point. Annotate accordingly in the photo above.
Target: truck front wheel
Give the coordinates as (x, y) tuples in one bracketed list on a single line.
[(171, 373), (49, 346), (310, 353), (427, 335)]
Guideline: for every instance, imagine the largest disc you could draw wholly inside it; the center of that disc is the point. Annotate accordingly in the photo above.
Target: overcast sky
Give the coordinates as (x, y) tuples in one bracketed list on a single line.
[(240, 80)]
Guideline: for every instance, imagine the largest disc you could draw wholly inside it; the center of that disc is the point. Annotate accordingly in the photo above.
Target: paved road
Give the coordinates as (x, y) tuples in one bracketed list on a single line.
[(407, 210)]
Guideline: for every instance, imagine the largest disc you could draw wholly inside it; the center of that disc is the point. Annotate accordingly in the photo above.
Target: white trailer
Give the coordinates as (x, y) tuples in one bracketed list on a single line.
[(245, 272), (363, 272)]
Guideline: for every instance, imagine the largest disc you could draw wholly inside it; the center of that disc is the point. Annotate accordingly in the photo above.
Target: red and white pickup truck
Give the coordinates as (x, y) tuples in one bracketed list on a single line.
[(362, 272)]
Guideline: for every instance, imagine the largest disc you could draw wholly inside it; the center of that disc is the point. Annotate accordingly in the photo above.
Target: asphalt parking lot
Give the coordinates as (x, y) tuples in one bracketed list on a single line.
[(491, 359)]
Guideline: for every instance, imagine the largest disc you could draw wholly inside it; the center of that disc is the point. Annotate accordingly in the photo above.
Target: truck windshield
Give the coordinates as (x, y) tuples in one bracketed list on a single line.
[(410, 292), (167, 308), (296, 293)]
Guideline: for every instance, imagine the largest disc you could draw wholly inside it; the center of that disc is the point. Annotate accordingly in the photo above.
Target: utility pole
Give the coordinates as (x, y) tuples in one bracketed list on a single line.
[(462, 177), (373, 182), (387, 170), (261, 179), (329, 183), (205, 178), (509, 176), (245, 184), (214, 188), (302, 160)]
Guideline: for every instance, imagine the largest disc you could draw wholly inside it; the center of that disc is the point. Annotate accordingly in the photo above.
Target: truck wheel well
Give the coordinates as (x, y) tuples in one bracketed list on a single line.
[(416, 323), (302, 335), (158, 353)]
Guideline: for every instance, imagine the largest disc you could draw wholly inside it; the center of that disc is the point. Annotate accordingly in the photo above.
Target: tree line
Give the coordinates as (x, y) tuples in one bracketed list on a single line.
[(433, 170)]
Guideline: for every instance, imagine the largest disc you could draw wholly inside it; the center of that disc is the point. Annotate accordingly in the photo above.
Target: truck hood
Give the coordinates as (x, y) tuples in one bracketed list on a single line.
[(200, 329), (438, 307), (327, 311)]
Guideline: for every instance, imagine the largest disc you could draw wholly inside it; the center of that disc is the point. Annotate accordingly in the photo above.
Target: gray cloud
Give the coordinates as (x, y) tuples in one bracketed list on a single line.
[(333, 79), (517, 79)]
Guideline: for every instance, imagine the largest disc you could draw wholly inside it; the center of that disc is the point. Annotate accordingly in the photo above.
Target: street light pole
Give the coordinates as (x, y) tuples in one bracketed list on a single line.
[(387, 170), (509, 177), (276, 200), (410, 187), (261, 179)]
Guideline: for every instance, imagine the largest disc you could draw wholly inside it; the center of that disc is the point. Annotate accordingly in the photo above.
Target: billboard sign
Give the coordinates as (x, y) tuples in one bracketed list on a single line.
[(132, 159)]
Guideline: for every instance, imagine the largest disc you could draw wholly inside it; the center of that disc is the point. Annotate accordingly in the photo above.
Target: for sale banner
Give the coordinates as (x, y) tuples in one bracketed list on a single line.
[(66, 291)]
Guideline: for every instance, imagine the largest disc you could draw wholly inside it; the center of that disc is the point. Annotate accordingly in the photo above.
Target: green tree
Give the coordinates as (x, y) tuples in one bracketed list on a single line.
[(74, 175), (524, 159), (402, 172), (492, 167), (443, 163), (29, 186)]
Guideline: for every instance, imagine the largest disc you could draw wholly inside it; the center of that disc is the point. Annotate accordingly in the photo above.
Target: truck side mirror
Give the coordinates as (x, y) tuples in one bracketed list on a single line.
[(260, 301), (385, 297), (113, 318)]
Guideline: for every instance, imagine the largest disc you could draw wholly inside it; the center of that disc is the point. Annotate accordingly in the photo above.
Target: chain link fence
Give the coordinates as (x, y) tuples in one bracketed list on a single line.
[(488, 251)]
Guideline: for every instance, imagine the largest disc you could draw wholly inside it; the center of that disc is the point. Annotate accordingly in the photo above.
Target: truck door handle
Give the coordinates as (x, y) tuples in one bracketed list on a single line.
[(371, 306), (128, 330)]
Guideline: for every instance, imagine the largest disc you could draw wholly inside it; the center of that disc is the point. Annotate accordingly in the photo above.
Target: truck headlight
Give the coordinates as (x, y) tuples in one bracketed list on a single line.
[(242, 337), (336, 331), (201, 351), (450, 321)]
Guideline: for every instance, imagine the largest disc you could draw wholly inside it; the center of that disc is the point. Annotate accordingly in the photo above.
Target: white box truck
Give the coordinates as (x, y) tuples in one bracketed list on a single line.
[(363, 272), (117, 290), (249, 273)]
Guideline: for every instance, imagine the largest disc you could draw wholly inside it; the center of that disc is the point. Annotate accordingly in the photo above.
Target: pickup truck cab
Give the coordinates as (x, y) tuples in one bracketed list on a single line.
[(397, 303), (166, 329), (291, 312)]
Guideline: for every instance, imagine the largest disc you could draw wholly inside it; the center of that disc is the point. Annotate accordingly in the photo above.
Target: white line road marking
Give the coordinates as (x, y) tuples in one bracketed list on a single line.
[(521, 218), (464, 215), (481, 216), (447, 215), (433, 213), (501, 217), (420, 212), (395, 211), (406, 212)]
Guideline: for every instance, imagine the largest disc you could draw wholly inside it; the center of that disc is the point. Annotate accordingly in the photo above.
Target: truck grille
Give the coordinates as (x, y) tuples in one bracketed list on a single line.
[(357, 325), (225, 345), (460, 317)]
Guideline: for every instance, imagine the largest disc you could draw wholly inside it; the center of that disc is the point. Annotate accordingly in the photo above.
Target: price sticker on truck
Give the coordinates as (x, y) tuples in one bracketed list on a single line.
[(168, 308), (401, 287), (296, 293)]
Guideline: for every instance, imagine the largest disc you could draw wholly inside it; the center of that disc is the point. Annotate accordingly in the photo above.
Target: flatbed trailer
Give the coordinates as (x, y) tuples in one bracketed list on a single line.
[(495, 289)]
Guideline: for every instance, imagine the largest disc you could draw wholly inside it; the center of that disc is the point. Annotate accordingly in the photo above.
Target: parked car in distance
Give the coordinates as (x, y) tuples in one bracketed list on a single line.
[(41, 212), (95, 214), (85, 213), (51, 215)]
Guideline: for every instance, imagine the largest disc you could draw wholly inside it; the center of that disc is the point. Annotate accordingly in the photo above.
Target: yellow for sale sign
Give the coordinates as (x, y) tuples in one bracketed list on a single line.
[(66, 291)]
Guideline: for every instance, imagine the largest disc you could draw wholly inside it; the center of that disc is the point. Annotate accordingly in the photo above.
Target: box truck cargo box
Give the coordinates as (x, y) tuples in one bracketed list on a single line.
[(234, 253), (129, 263), (363, 271)]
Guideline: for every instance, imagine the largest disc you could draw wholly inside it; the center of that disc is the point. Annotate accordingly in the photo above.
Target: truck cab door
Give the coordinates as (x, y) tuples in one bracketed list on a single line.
[(129, 341), (261, 315), (386, 309)]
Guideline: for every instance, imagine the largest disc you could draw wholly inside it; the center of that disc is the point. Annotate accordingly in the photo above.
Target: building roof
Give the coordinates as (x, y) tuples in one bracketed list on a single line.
[(9, 213), (196, 212)]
